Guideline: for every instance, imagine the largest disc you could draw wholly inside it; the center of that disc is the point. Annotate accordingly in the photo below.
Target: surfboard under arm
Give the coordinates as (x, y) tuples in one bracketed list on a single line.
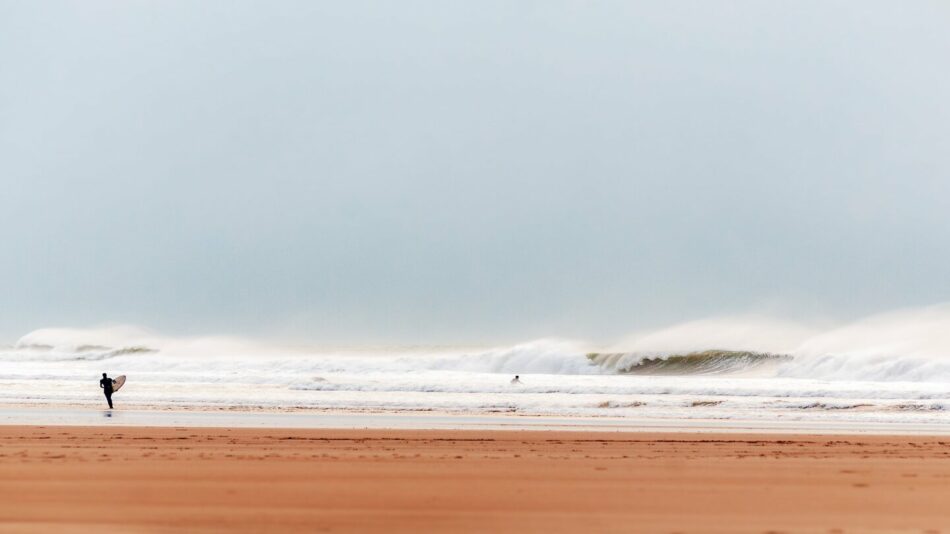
[(117, 383)]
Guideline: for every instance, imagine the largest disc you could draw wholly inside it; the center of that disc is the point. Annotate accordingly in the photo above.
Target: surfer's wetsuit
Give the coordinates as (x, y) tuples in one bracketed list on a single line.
[(106, 385)]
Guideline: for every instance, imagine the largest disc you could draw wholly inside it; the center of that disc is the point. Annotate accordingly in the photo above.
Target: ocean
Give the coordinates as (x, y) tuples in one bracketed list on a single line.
[(884, 370)]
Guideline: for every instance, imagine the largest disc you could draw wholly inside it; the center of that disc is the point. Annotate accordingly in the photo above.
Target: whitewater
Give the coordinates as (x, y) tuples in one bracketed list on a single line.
[(891, 368)]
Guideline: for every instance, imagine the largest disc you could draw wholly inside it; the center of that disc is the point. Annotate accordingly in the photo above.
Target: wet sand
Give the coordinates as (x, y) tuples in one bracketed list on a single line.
[(150, 479)]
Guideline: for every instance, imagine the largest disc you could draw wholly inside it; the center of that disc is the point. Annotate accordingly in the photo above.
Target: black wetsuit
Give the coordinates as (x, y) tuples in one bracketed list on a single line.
[(106, 385)]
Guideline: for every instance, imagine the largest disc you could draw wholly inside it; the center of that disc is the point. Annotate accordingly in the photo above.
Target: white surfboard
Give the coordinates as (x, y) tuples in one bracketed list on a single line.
[(117, 383)]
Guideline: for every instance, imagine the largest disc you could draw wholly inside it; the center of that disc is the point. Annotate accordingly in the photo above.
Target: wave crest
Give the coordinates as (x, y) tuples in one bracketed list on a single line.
[(714, 361)]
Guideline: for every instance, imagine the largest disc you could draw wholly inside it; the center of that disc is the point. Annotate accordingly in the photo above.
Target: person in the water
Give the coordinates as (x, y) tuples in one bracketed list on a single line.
[(516, 380), (106, 385)]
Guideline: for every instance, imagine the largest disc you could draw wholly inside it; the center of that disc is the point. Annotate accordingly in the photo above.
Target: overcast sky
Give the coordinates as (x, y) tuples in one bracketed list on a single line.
[(469, 171)]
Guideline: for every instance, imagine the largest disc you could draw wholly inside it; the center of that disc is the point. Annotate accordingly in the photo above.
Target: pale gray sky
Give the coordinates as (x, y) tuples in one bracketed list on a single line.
[(466, 171)]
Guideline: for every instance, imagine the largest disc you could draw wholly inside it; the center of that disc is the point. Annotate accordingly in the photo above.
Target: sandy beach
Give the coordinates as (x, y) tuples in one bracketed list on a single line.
[(151, 479)]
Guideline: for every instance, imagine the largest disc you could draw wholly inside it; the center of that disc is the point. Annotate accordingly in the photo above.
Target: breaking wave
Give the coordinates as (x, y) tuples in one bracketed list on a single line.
[(40, 352), (908, 345), (702, 362)]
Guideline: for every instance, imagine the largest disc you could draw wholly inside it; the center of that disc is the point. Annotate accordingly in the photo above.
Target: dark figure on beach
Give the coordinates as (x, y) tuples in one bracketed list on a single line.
[(106, 385), (516, 380)]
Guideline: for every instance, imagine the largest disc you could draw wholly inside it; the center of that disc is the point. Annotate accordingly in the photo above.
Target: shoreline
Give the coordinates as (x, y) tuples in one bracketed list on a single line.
[(341, 420), (164, 479)]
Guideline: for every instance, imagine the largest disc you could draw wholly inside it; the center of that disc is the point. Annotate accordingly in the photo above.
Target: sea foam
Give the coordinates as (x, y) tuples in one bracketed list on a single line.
[(890, 367)]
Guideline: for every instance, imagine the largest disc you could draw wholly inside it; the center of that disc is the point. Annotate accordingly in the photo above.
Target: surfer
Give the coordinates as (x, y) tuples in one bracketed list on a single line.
[(516, 380), (106, 385)]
